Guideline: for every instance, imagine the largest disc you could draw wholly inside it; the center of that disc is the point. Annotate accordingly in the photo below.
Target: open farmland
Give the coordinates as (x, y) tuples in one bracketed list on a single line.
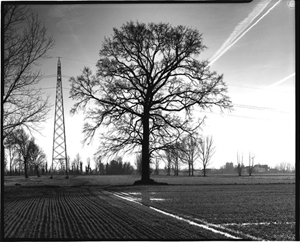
[(108, 207)]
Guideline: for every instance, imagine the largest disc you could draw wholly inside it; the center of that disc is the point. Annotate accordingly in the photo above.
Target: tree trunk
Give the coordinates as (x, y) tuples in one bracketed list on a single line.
[(192, 169), (37, 171), (10, 173), (145, 149), (25, 168)]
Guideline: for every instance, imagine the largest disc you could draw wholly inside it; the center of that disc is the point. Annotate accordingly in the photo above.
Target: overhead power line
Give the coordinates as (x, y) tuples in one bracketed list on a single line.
[(259, 108), (67, 58), (232, 115), (267, 89)]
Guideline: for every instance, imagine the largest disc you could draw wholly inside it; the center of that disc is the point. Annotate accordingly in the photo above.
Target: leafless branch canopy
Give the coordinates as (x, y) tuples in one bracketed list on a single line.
[(25, 42), (148, 82), (207, 150)]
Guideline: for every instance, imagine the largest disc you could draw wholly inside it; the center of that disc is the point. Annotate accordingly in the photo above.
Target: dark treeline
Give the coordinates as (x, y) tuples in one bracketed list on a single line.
[(117, 167)]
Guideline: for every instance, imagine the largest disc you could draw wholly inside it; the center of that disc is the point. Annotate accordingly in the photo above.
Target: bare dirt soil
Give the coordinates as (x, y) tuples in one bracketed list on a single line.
[(87, 213), (263, 211), (87, 207)]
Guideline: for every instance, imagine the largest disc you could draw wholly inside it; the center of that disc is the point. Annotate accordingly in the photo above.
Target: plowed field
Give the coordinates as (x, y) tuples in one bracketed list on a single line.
[(262, 211), (84, 213), (77, 209)]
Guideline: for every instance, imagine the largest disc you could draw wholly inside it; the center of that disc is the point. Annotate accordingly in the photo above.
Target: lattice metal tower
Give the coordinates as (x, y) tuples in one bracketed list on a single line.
[(59, 152)]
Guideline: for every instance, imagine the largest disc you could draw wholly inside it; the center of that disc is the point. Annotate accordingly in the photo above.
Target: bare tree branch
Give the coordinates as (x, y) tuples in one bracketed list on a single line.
[(207, 150), (25, 42), (147, 84)]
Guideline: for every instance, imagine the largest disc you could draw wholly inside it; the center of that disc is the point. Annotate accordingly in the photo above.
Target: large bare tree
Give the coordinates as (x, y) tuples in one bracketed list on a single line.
[(206, 150), (147, 84), (25, 42)]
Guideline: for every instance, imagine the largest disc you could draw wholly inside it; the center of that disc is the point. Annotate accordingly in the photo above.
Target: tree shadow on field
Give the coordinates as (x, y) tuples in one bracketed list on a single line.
[(149, 182)]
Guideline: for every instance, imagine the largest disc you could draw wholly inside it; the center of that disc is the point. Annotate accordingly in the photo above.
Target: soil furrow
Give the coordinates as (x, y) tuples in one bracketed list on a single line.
[(22, 212), (40, 218), (64, 214), (34, 216), (126, 220), (74, 212), (142, 231), (112, 232), (57, 216), (123, 231), (11, 223), (85, 212)]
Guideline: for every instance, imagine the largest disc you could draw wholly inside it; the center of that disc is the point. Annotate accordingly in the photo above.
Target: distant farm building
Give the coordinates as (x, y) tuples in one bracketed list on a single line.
[(261, 168)]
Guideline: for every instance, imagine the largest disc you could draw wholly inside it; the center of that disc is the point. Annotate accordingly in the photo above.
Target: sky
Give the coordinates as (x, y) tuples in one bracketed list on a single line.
[(251, 44)]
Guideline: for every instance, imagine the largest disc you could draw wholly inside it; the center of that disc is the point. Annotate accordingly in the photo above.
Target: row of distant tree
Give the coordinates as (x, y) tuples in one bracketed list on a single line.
[(188, 150), (229, 167), (22, 153), (114, 167)]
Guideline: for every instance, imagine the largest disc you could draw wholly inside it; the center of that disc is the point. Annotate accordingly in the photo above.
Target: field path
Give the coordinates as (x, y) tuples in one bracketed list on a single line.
[(89, 213)]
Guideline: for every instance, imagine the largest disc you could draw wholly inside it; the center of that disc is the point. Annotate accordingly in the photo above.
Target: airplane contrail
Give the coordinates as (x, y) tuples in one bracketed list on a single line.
[(242, 26), (216, 58), (282, 80)]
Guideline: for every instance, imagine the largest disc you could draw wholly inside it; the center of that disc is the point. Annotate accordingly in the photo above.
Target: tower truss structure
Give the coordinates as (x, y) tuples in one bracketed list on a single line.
[(59, 152)]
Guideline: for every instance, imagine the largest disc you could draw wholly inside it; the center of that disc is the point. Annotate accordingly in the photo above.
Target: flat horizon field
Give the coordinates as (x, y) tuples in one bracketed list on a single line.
[(109, 207), (114, 180)]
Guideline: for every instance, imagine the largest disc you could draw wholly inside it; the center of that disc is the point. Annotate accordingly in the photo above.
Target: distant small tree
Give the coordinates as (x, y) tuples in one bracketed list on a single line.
[(176, 162), (23, 146), (37, 156), (284, 167), (67, 166), (168, 156), (251, 163), (77, 162), (10, 146), (156, 171), (81, 167), (62, 162), (138, 163), (206, 150), (190, 151), (172, 153), (240, 164), (46, 168), (88, 161)]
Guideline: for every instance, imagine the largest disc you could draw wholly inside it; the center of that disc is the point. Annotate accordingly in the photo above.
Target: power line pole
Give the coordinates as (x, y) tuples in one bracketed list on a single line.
[(59, 151)]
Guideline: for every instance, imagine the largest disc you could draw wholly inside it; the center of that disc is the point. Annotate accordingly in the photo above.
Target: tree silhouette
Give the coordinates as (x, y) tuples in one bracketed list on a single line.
[(37, 156), (251, 163), (24, 145), (190, 151), (207, 150), (25, 42), (240, 163), (147, 84)]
